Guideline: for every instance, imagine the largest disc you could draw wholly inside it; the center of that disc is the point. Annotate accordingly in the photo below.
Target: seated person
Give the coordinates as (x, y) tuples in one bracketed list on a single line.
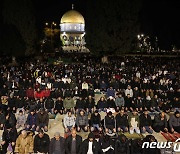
[(138, 103), (90, 104), (42, 120), (68, 104), (160, 123), (133, 121), (122, 121), (119, 101), (146, 122), (102, 104), (2, 121), (21, 120), (174, 122), (59, 108), (82, 121), (31, 121), (109, 123), (69, 121), (96, 121), (49, 105), (80, 104), (111, 103), (9, 136)]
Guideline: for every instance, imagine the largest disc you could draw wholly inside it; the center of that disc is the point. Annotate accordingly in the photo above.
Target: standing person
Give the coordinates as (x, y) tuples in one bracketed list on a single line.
[(42, 120), (9, 137), (122, 145), (90, 145), (41, 142), (24, 143), (57, 144), (107, 145), (73, 143), (134, 122)]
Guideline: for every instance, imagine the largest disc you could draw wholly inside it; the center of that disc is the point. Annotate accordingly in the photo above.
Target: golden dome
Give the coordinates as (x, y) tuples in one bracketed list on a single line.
[(72, 16)]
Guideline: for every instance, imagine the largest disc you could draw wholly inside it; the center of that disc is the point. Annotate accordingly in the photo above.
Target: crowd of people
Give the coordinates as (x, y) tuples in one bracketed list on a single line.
[(139, 94)]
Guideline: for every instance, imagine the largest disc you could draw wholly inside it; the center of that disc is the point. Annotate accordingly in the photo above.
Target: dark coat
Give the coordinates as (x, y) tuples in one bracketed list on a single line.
[(96, 147), (121, 120), (9, 136), (42, 119), (122, 147), (68, 143), (145, 121), (52, 145), (95, 119), (31, 119), (41, 144)]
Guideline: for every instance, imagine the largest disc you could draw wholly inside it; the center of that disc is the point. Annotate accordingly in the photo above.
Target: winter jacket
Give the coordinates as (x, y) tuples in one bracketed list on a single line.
[(119, 101), (136, 119), (121, 120), (109, 122), (42, 119), (174, 121), (102, 104), (41, 144), (49, 104), (159, 122), (82, 120), (52, 145), (145, 121), (68, 144), (95, 119), (95, 147), (69, 121), (31, 119), (24, 145), (68, 103)]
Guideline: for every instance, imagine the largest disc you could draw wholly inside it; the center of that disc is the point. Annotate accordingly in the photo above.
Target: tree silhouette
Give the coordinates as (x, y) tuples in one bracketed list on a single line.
[(112, 26), (20, 14)]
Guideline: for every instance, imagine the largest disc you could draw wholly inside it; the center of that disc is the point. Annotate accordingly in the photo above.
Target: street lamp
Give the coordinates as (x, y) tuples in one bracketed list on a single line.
[(52, 24)]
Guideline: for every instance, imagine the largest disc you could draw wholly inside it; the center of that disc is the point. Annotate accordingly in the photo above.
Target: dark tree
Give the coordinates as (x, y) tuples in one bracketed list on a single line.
[(11, 41), (20, 14), (112, 26)]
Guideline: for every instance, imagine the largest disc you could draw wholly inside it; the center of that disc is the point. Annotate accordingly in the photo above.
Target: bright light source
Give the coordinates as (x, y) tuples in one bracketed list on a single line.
[(46, 23), (138, 36), (54, 24), (142, 35)]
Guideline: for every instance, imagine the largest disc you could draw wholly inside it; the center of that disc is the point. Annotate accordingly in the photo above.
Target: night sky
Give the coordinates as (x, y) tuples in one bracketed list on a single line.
[(157, 17)]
